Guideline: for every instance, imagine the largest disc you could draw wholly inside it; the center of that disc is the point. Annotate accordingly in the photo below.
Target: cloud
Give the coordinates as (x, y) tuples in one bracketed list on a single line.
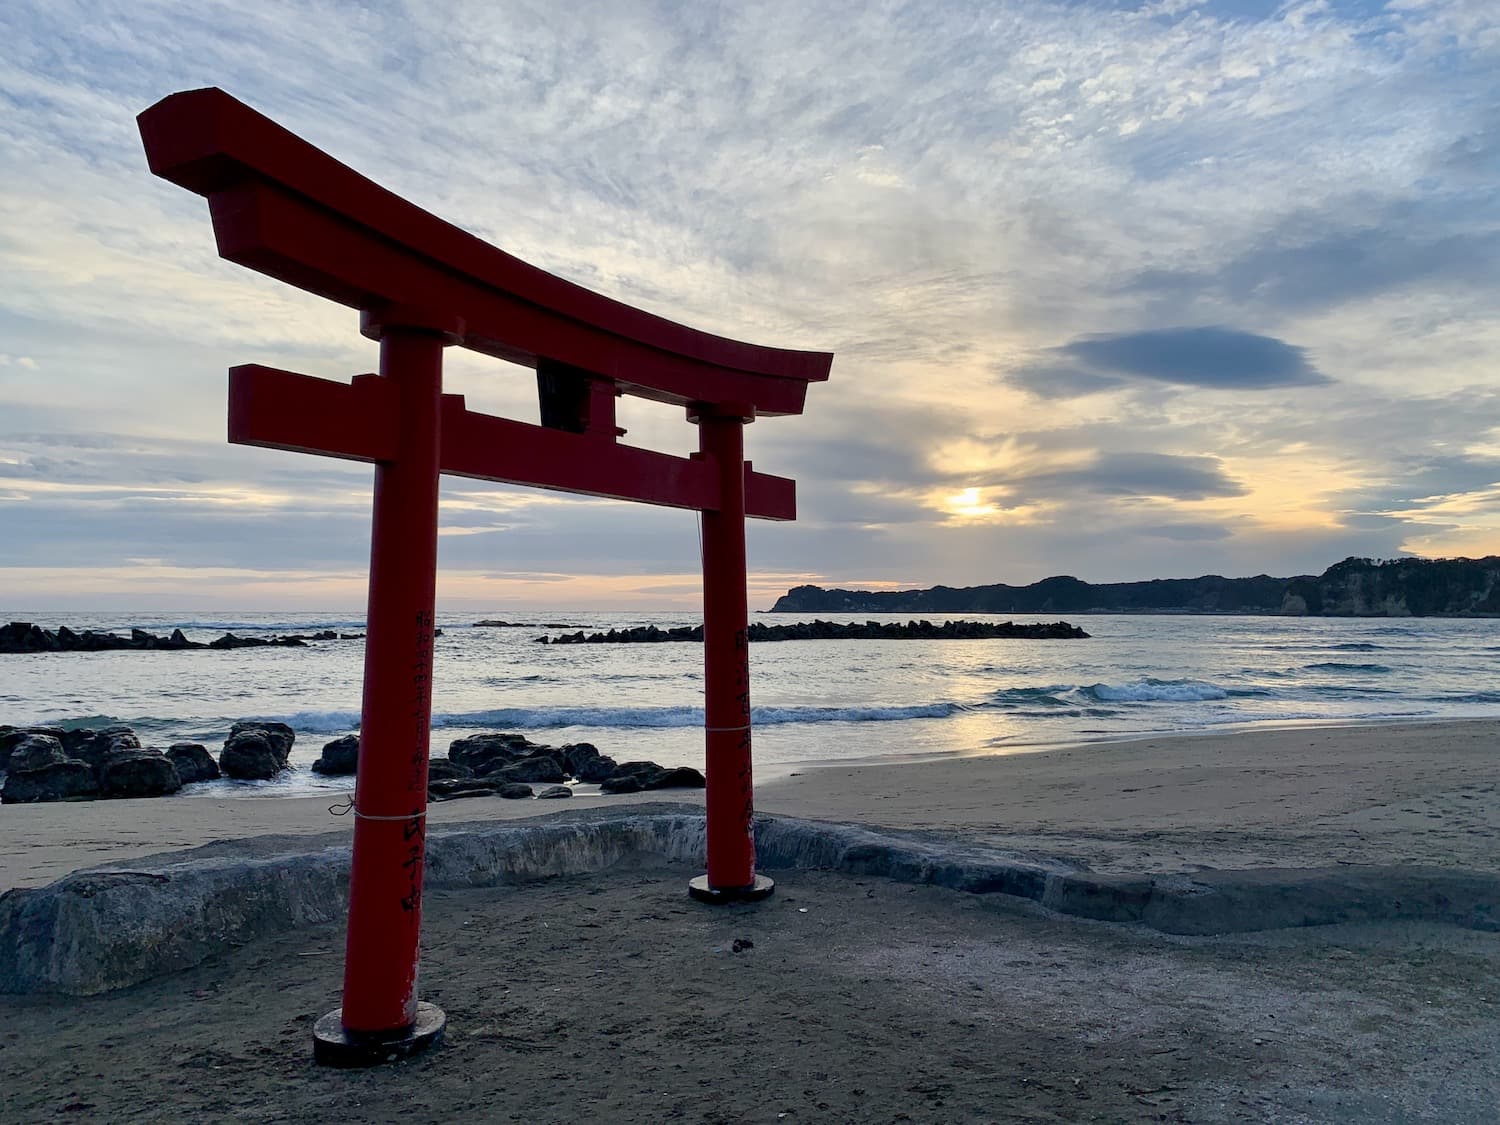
[(1185, 532), (1304, 265), (1302, 194), (1131, 474), (1211, 358)]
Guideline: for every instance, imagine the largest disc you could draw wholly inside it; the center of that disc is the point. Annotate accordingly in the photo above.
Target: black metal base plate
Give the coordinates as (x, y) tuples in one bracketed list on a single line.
[(333, 1046), (700, 890)]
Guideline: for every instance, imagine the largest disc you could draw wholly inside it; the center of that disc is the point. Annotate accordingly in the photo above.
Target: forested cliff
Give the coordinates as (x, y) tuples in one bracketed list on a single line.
[(1356, 587)]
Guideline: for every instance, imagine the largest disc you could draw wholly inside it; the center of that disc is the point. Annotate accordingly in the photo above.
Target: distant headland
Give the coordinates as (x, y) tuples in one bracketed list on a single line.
[(1356, 587)]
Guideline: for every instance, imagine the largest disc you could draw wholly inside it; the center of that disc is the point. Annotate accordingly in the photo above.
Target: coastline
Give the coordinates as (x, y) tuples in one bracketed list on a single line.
[(1296, 795)]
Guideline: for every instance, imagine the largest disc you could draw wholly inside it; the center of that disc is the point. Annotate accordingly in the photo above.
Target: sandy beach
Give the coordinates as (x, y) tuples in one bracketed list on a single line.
[(612, 997)]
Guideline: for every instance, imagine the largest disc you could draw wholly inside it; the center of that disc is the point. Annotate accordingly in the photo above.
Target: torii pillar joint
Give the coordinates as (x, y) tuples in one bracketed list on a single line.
[(729, 797), (381, 1017)]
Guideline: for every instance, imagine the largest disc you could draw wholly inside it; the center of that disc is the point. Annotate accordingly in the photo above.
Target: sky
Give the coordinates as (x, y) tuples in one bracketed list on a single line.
[(1118, 290)]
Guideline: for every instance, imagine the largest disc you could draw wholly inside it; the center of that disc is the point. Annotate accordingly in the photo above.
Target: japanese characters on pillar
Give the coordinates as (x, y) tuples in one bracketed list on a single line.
[(285, 208)]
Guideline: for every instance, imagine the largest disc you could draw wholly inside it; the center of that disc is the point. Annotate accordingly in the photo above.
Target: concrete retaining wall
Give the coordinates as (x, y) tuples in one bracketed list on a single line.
[(98, 930)]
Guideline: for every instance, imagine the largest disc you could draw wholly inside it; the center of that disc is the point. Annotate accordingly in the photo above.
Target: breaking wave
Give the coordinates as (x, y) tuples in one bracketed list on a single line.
[(1156, 691)]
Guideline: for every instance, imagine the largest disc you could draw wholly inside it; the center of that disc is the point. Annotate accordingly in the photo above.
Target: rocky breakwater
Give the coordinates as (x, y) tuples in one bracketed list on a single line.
[(23, 636), (510, 765), (53, 764), (837, 631)]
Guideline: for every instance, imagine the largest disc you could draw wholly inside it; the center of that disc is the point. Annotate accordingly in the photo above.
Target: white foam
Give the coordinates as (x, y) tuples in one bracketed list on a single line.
[(1157, 691)]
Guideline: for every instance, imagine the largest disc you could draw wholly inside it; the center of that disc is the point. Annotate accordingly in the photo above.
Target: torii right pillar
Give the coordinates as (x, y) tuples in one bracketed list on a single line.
[(729, 797)]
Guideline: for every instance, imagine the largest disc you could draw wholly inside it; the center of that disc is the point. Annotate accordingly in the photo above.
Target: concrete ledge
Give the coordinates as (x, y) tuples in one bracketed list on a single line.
[(107, 928)]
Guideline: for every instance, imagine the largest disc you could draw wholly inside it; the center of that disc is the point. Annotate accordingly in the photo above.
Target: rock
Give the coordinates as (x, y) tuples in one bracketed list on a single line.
[(90, 746), (250, 755), (576, 754), (639, 770), (22, 636), (514, 791), (441, 769), (595, 770), (649, 775), (35, 752), (679, 777), (138, 773), (339, 758), (621, 783), (194, 763), (11, 737), (279, 735), (488, 750), (539, 768), (119, 738), (554, 792), (60, 781), (453, 788), (831, 630)]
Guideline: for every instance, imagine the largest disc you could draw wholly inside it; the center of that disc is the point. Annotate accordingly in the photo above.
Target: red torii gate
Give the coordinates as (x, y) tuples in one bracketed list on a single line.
[(287, 209)]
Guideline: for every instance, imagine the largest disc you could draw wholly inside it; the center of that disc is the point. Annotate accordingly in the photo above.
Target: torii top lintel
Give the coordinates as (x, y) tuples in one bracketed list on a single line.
[(287, 209)]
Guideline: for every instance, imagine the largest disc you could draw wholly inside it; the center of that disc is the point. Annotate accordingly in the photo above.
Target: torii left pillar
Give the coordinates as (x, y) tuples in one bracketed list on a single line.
[(381, 1017)]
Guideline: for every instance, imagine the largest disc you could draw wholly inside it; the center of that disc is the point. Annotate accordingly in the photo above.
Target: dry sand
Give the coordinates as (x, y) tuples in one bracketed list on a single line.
[(614, 998)]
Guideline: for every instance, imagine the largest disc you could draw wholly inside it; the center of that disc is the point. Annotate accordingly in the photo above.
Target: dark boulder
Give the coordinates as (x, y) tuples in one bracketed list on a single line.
[(138, 773), (649, 775), (250, 755), (339, 758), (514, 791), (640, 770), (678, 777), (539, 768), (194, 762), (89, 746), (119, 738), (451, 789), (35, 752), (11, 737), (441, 769), (621, 783), (61, 781), (595, 770), (576, 754), (488, 750), (279, 735), (554, 792)]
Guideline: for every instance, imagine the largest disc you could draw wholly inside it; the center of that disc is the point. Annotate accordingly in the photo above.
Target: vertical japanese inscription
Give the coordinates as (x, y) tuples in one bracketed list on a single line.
[(414, 831), (742, 700)]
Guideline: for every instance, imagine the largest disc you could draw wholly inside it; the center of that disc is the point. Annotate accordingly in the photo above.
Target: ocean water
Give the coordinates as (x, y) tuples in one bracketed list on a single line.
[(814, 701)]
